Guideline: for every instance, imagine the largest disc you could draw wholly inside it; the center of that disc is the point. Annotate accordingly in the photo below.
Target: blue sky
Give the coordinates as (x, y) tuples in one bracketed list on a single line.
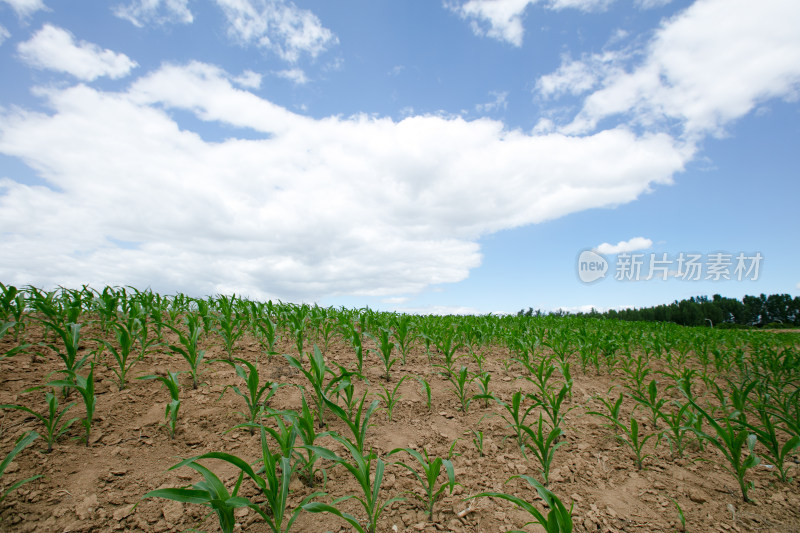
[(422, 156)]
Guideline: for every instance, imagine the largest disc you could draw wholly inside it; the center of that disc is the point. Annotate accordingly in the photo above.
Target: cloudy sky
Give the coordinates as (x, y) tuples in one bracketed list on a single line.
[(427, 155)]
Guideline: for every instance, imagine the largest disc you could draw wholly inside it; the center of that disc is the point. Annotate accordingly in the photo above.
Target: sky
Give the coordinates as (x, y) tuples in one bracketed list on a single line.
[(425, 156)]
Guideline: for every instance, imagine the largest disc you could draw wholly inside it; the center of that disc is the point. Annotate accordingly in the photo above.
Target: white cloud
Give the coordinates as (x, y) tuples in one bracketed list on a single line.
[(318, 207), (650, 4), (709, 65), (500, 102), (295, 75), (4, 34), (277, 25), (248, 80), (142, 12), (502, 19), (55, 49), (26, 8), (632, 245)]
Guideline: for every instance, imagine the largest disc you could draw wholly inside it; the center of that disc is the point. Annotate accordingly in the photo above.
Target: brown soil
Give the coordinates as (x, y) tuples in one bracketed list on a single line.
[(95, 488)]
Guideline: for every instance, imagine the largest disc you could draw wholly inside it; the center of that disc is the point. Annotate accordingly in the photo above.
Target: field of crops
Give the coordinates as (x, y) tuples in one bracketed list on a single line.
[(126, 410)]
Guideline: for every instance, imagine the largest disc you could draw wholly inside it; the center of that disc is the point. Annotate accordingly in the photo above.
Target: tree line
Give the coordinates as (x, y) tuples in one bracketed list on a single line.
[(775, 310)]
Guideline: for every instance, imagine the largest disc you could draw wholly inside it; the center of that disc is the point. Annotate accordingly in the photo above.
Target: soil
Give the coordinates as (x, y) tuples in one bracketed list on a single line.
[(100, 487)]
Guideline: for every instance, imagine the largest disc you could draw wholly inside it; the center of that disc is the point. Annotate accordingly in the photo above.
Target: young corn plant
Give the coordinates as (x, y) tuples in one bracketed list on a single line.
[(122, 353), (632, 439), (731, 439), (543, 443), (306, 458), (403, 333), (231, 323), (70, 337), (515, 415), (85, 387), (361, 469), (170, 380), (54, 424), (558, 519), (316, 375), (461, 382), (652, 402), (431, 470), (384, 351), (255, 394), (677, 421), (767, 436), (613, 413), (358, 423), (188, 346), (266, 335), (426, 390), (477, 440), (277, 471), (23, 442), (391, 398)]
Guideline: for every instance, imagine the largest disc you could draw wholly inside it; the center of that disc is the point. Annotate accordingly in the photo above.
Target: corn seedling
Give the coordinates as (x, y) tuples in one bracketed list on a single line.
[(121, 351), (558, 519), (391, 398), (477, 440), (188, 347), (305, 425), (543, 443), (316, 375), (384, 351), (23, 442), (652, 402), (54, 423), (85, 387), (70, 337), (681, 517), (403, 334), (635, 441), (677, 427), (515, 415), (358, 422), (431, 470), (426, 389), (171, 411), (274, 485), (231, 323), (255, 395), (767, 436), (361, 469), (613, 412), (731, 439)]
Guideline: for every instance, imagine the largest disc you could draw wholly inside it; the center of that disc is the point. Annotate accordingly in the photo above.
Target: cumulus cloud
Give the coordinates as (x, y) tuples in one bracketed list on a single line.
[(295, 75), (143, 12), (502, 19), (55, 49), (4, 34), (248, 79), (709, 65), (25, 8), (632, 245), (277, 25), (500, 102), (315, 207)]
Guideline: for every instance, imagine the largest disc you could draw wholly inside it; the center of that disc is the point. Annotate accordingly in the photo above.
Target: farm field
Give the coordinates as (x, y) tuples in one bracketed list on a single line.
[(632, 426)]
